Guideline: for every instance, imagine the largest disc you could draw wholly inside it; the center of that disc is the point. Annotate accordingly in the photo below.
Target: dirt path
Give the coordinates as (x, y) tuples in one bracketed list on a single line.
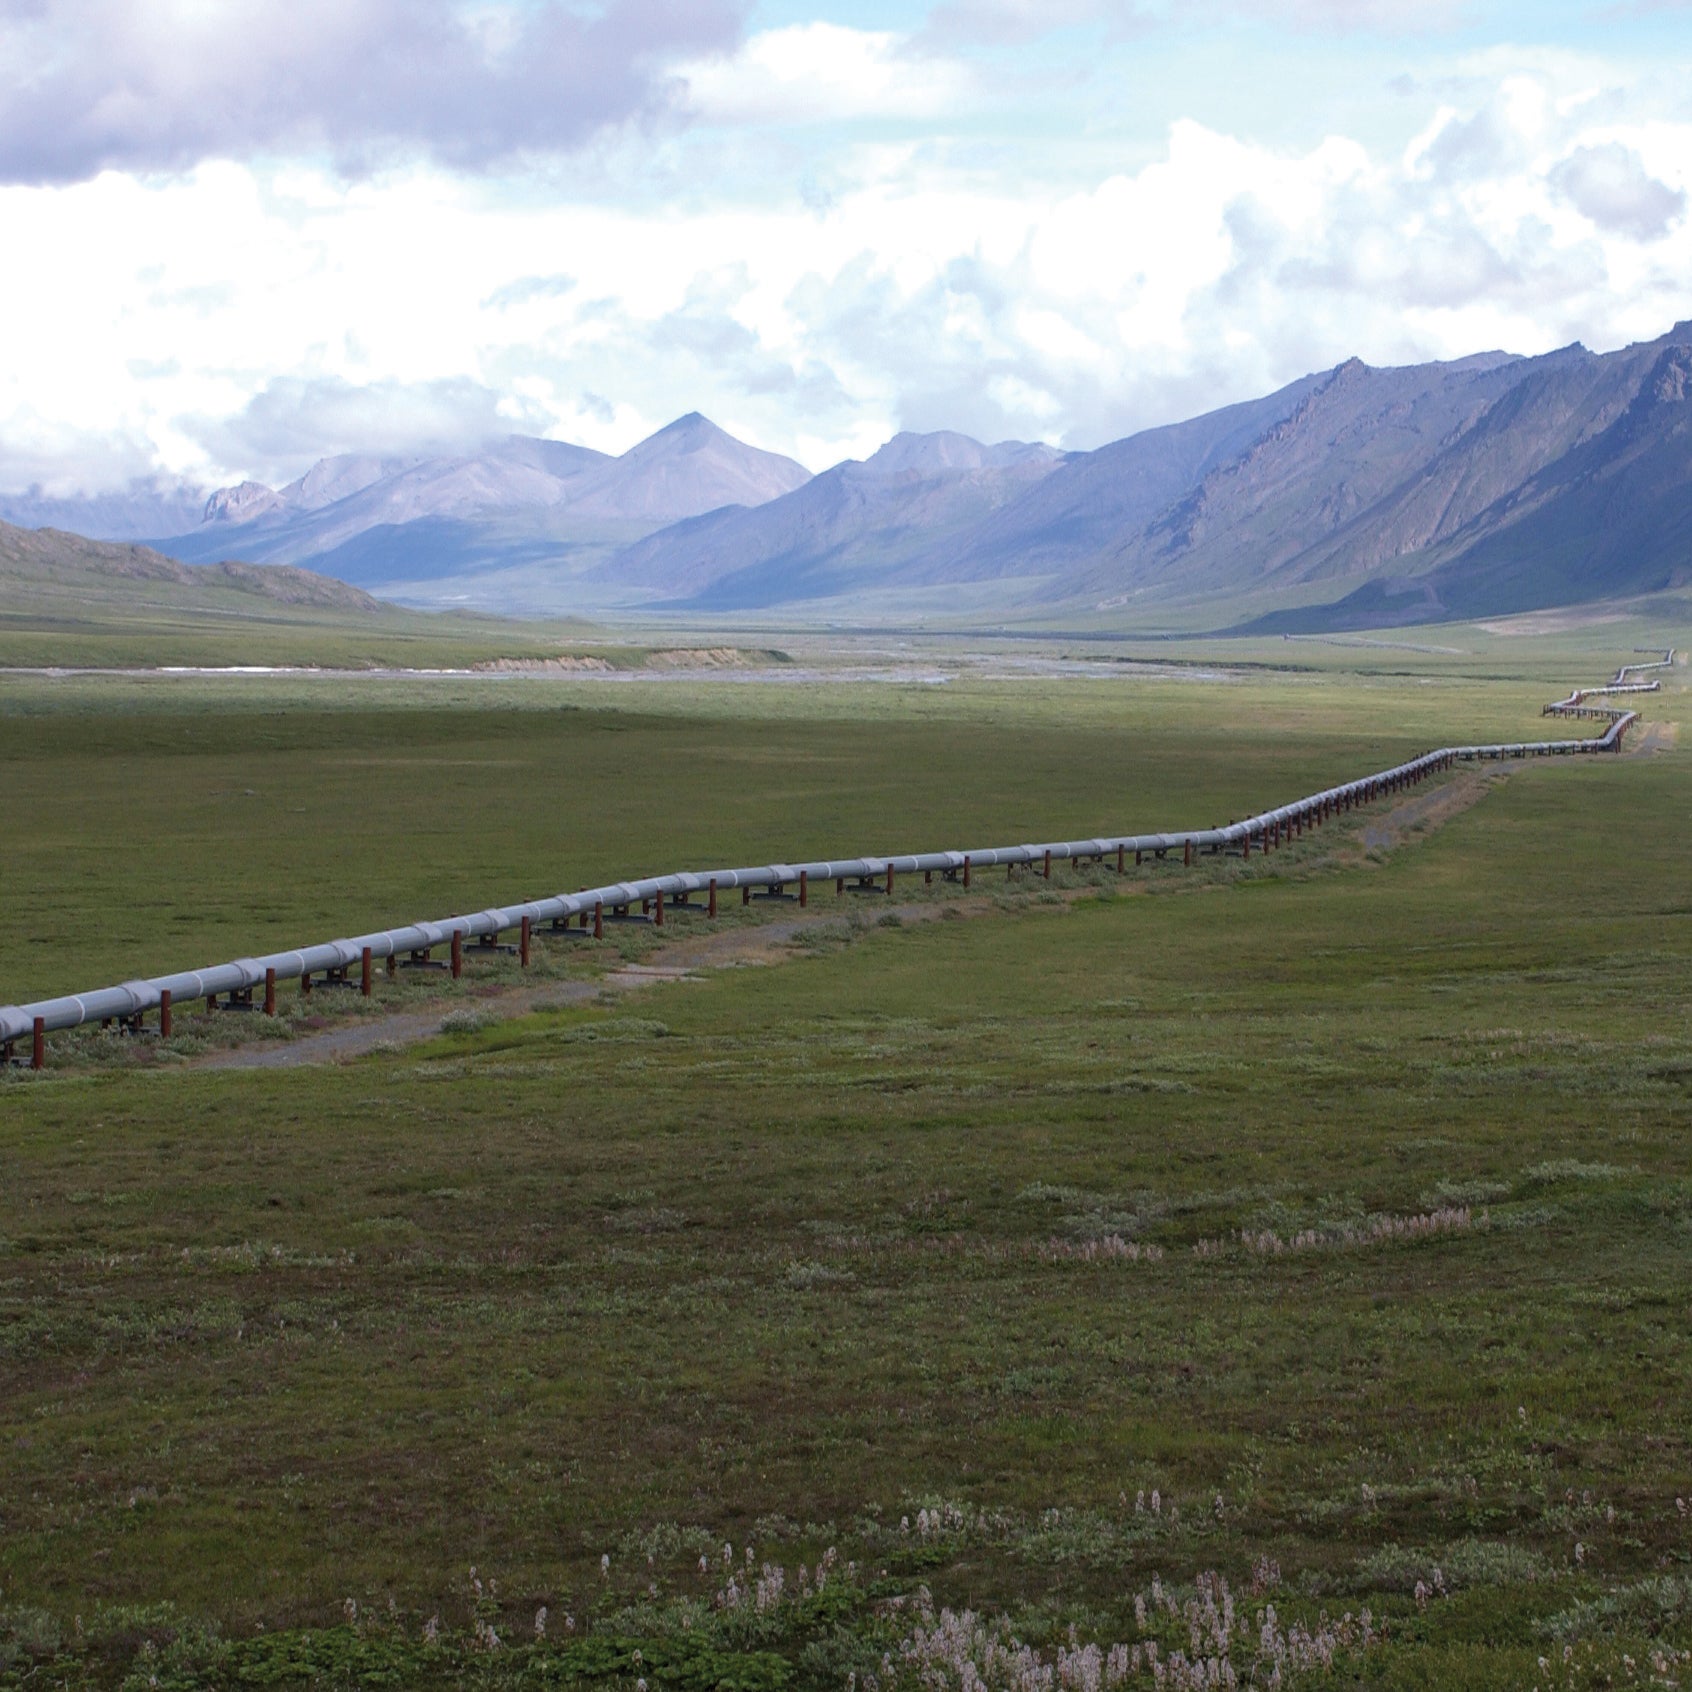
[(332, 1045), (681, 960), (1431, 809), (1654, 737)]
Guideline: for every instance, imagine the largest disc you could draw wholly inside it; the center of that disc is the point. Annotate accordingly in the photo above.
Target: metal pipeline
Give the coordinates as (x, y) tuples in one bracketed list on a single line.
[(134, 998)]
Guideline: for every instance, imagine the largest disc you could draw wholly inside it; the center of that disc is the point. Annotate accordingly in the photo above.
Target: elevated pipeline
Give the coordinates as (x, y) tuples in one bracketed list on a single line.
[(237, 982)]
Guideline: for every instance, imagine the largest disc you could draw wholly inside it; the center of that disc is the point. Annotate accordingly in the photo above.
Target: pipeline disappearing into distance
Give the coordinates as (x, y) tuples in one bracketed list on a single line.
[(236, 982)]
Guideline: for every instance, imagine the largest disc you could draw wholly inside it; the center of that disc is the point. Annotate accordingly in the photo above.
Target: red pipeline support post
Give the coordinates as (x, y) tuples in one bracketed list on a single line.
[(305, 985), (966, 875), (1245, 844), (712, 912), (457, 954), (1187, 854), (928, 878), (270, 992), (523, 937), (599, 919), (1048, 869), (746, 894), (658, 910), (804, 888), (889, 878), (38, 1045), (393, 966), (164, 1014), (364, 972), (1121, 860)]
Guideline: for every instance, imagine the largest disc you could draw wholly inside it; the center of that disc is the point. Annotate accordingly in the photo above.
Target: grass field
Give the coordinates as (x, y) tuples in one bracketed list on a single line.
[(1322, 1229)]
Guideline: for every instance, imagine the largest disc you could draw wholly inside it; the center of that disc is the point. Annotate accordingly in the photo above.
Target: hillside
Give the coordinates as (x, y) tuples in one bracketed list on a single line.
[(50, 564), (66, 601)]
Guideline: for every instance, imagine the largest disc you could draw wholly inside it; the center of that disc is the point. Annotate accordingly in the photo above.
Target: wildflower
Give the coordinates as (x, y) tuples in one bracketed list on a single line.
[(1580, 1552), (702, 1563), (431, 1630), (540, 1622), (1157, 1502), (1421, 1595), (350, 1611), (604, 1566)]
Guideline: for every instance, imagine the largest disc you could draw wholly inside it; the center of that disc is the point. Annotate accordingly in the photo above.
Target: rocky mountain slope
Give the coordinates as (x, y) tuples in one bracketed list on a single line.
[(1352, 498)]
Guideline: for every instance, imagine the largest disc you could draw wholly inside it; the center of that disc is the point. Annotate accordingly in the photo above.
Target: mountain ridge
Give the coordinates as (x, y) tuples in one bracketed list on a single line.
[(1478, 485)]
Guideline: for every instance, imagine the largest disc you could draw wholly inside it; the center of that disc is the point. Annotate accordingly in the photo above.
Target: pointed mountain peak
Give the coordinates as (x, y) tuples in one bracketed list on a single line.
[(687, 433)]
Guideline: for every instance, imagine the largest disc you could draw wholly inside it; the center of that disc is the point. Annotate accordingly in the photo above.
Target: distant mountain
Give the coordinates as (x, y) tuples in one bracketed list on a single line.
[(1576, 486), (379, 520), (1353, 497), (1466, 489), (840, 532)]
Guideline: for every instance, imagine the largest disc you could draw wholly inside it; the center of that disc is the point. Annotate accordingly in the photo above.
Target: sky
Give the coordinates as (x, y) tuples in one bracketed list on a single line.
[(240, 235)]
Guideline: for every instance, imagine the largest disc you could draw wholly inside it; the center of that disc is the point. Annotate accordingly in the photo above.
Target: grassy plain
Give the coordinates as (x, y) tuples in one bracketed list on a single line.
[(1019, 1258)]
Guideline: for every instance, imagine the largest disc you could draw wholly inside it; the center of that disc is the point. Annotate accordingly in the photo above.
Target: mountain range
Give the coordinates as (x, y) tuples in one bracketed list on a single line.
[(1354, 497)]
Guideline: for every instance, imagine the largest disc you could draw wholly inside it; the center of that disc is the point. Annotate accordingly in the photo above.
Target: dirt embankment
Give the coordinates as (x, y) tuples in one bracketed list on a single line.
[(667, 659)]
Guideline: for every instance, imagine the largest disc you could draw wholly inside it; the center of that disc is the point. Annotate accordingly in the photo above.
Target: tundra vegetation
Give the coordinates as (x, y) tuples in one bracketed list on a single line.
[(1272, 1273)]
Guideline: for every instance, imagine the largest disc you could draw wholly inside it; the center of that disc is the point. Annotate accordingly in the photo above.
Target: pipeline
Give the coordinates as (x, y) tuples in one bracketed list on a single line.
[(1575, 705), (237, 981)]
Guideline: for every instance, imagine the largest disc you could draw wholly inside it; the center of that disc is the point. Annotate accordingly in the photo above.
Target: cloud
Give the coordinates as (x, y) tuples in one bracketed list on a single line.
[(47, 457), (246, 319), (163, 84), (293, 421), (823, 72), (1004, 22), (1610, 185), (527, 289)]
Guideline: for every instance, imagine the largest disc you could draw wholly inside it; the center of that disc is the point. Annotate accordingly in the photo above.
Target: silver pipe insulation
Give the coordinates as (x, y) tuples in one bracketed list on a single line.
[(132, 998), (1571, 707)]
